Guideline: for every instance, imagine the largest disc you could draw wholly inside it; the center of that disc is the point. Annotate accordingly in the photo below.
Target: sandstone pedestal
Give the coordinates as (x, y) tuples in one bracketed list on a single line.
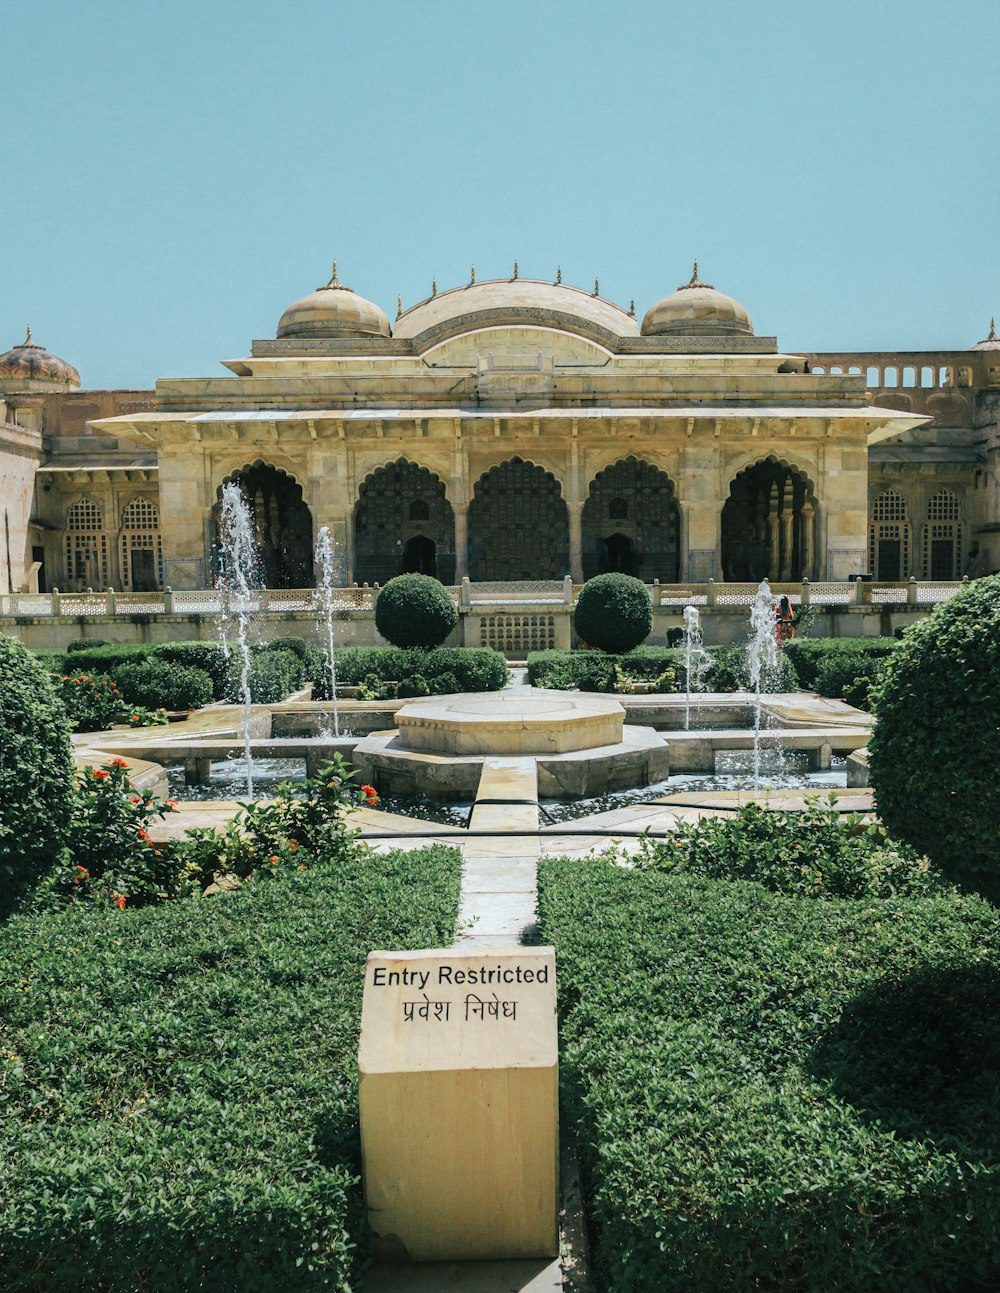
[(459, 1103)]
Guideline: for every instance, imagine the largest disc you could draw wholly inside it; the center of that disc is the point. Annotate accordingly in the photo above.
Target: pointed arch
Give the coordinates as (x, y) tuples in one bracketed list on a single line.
[(944, 536), (631, 522), (86, 550), (769, 523), (518, 524), (141, 546), (403, 522), (282, 520)]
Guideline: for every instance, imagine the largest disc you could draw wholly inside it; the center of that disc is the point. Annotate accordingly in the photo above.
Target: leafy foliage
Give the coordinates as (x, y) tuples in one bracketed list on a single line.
[(154, 682), (730, 671), (274, 674), (180, 1108), (209, 656), (811, 655), (745, 1120), (815, 853), (415, 611), (595, 671), (934, 754), (613, 612), (471, 669), (93, 704), (851, 676), (35, 773)]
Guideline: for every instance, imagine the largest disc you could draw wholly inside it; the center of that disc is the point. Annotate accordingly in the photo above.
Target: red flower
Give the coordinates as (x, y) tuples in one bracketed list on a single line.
[(144, 835), (274, 858), (171, 805), (118, 763), (120, 901), (100, 774)]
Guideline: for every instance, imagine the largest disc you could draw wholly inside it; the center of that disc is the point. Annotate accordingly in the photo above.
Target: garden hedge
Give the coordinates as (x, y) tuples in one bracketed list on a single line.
[(613, 612), (180, 1109), (161, 683), (772, 1092), (809, 655), (415, 611), (36, 773), (473, 668), (935, 751), (595, 670)]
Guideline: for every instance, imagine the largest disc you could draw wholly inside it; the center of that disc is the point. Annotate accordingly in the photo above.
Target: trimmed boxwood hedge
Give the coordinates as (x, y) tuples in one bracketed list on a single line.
[(180, 1110), (162, 684), (415, 611), (595, 670), (777, 1093), (810, 655), (473, 668), (935, 752), (36, 773)]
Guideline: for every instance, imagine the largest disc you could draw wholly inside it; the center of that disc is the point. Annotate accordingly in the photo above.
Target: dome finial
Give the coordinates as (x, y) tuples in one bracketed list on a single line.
[(696, 281), (558, 274), (597, 287), (991, 337), (631, 308), (399, 306), (27, 337), (334, 280), (516, 271), (472, 278)]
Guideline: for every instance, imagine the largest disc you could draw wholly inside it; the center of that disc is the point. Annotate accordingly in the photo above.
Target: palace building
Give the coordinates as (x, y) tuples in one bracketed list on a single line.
[(513, 429)]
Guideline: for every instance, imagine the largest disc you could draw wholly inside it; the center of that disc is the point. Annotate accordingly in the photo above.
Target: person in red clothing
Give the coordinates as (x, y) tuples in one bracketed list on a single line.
[(784, 621)]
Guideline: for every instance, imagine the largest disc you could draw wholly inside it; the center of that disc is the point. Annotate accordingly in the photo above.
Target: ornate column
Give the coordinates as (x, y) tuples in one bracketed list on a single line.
[(576, 541), (461, 541)]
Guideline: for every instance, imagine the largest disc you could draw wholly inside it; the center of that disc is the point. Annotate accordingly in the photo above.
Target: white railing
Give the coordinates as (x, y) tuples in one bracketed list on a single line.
[(516, 594)]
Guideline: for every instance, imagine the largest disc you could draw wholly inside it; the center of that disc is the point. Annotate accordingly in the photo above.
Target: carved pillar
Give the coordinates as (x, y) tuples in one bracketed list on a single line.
[(461, 541), (787, 553), (576, 541), (808, 541)]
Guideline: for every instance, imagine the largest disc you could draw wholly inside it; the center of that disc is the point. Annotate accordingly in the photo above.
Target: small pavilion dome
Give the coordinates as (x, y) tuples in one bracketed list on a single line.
[(990, 342), (696, 309), (30, 362), (333, 311)]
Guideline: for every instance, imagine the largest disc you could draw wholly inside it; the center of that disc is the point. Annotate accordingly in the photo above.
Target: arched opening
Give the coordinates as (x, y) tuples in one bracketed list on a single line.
[(518, 524), (86, 546), (141, 546), (889, 538), (769, 525), (943, 536), (420, 556), (403, 523), (634, 503), (282, 521)]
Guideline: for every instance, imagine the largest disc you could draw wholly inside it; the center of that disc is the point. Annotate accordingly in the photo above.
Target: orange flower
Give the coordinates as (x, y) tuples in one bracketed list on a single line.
[(118, 763), (302, 866), (144, 835), (274, 858), (100, 774), (120, 901), (171, 805), (368, 790)]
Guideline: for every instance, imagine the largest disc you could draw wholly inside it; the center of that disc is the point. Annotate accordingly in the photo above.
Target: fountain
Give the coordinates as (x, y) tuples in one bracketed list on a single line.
[(762, 657), (237, 577), (696, 659), (324, 599)]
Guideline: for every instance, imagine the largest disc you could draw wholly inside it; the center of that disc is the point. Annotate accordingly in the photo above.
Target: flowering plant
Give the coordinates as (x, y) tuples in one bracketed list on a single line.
[(111, 856), (94, 704)]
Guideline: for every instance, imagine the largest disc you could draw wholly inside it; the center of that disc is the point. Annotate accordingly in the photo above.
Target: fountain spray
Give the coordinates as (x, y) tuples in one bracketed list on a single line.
[(696, 659), (762, 656), (324, 597), (238, 576)]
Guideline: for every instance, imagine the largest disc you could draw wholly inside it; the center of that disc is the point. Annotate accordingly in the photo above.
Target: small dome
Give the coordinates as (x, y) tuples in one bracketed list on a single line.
[(333, 311), (30, 362), (992, 342), (696, 309)]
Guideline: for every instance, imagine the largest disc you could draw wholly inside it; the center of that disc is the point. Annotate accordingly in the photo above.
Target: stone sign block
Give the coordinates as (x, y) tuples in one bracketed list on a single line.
[(458, 1073)]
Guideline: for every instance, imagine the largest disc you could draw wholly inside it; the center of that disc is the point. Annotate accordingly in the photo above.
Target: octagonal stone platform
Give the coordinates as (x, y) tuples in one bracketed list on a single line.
[(510, 723)]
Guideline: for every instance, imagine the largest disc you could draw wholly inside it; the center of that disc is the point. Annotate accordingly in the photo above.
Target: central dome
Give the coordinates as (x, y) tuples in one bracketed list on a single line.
[(697, 310), (30, 362), (333, 311), (500, 301)]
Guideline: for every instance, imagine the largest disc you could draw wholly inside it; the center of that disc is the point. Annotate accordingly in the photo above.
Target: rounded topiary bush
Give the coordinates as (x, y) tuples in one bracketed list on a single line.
[(415, 611), (934, 754), (36, 773), (613, 612)]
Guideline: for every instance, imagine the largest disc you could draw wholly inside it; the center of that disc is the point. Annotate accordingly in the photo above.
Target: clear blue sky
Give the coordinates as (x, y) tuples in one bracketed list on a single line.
[(177, 172)]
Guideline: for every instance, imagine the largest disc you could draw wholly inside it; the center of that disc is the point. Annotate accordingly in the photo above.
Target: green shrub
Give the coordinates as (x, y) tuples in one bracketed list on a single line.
[(180, 1109), (594, 671), (92, 704), (415, 685), (444, 684), (53, 659), (209, 656), (751, 1083), (730, 671), (415, 611), (297, 646), (808, 655), (815, 853), (36, 773), (849, 675), (274, 675), (613, 613), (106, 659), (934, 754), (156, 682), (474, 668), (84, 644)]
